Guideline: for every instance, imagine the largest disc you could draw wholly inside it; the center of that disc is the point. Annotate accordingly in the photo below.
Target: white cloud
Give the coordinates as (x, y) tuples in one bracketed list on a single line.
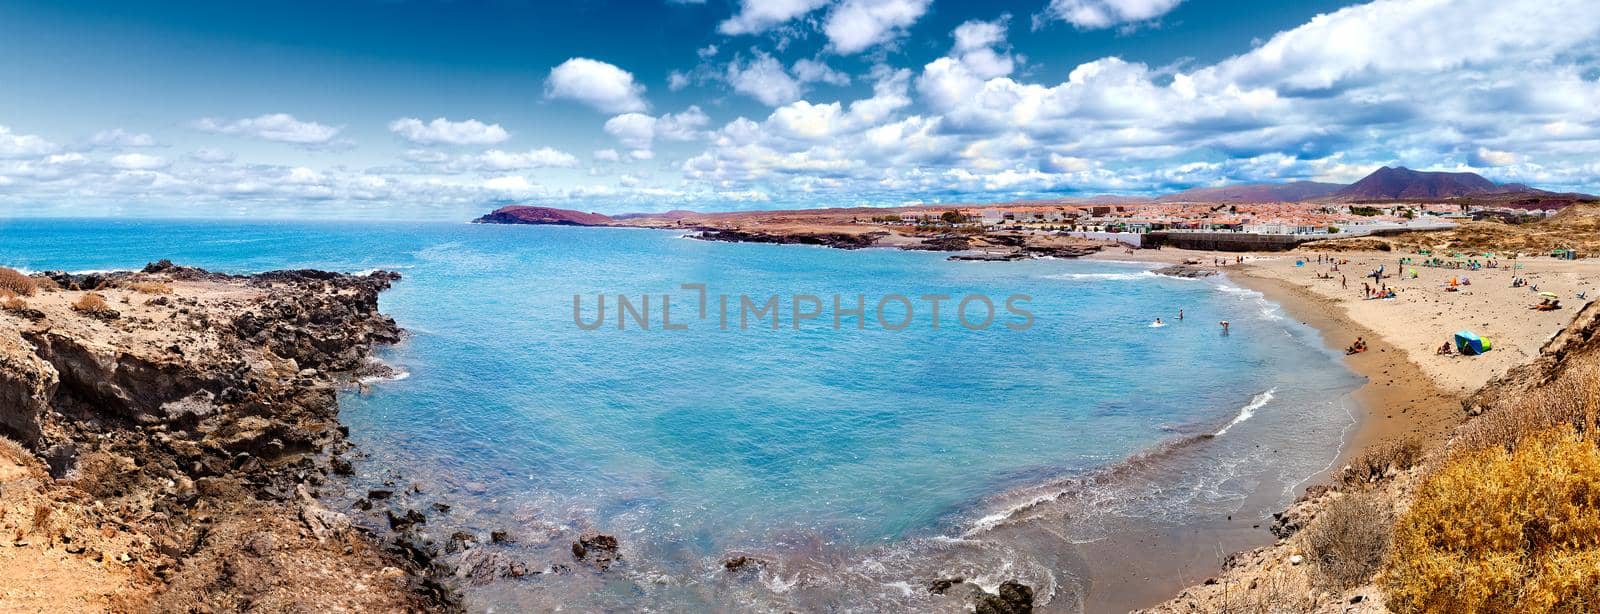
[(638, 131), (604, 87), (14, 145), (607, 155), (118, 137), (706, 52), (1101, 14), (634, 130), (211, 156), (763, 79), (757, 16), (1485, 157), (441, 130), (816, 71), (857, 25), (543, 157), (514, 184), (138, 162), (280, 127), (677, 80)]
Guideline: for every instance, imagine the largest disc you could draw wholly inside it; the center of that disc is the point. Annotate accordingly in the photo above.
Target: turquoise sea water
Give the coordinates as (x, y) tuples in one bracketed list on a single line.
[(858, 461)]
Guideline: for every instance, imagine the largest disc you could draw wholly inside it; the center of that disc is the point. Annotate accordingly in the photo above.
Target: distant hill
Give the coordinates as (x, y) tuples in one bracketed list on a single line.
[(671, 215), (1255, 193), (1403, 183), (519, 214), (1386, 184)]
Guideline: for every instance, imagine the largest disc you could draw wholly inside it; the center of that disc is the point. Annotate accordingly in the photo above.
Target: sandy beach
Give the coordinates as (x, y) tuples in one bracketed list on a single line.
[(1411, 392)]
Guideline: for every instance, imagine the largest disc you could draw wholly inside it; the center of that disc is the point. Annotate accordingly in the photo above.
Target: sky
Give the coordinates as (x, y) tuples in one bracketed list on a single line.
[(439, 109)]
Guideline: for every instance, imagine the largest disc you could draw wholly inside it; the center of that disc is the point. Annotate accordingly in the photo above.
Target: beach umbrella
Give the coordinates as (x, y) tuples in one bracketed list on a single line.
[(1469, 343)]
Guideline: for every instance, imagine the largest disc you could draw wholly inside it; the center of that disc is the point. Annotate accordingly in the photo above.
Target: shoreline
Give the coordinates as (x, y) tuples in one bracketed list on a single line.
[(1402, 399), (1128, 572)]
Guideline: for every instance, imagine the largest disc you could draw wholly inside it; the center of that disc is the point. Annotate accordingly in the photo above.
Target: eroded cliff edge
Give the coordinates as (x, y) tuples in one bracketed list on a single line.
[(169, 431)]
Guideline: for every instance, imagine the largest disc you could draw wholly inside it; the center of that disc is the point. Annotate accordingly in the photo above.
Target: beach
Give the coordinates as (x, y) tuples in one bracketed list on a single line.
[(1411, 393)]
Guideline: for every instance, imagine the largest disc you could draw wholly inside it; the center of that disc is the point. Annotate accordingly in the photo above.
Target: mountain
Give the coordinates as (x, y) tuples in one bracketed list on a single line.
[(519, 214), (1403, 183), (1255, 193)]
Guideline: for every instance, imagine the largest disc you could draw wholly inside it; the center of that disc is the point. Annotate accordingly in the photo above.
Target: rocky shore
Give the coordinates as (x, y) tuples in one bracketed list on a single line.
[(167, 433)]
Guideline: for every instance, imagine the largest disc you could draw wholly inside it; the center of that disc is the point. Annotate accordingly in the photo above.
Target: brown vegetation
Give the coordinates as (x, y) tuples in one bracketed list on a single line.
[(91, 303), (1571, 399), (1380, 461), (13, 303), (16, 282), (1348, 540)]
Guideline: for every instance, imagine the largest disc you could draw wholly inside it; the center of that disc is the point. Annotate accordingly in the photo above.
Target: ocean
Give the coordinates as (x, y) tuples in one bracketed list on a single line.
[(857, 463)]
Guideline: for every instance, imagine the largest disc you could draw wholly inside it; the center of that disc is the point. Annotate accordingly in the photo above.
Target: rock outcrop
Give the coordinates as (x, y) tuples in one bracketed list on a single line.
[(201, 423)]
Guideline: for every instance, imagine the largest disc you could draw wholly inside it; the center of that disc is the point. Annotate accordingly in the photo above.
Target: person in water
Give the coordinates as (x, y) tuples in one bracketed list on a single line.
[(1224, 324), (1158, 322), (1180, 313)]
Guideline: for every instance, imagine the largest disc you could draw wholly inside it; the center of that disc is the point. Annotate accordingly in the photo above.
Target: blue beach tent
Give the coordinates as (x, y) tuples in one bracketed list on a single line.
[(1469, 343)]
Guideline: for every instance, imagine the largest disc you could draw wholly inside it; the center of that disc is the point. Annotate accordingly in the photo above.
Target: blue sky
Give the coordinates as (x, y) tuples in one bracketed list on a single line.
[(424, 108)]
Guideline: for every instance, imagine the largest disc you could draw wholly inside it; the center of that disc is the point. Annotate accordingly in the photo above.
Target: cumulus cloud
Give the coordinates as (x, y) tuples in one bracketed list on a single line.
[(1451, 84), (817, 71), (280, 127), (543, 157), (138, 162), (1101, 14), (444, 131), (118, 137), (764, 79), (1503, 89), (603, 86), (210, 155), (14, 145), (634, 130), (757, 16), (638, 131), (857, 25)]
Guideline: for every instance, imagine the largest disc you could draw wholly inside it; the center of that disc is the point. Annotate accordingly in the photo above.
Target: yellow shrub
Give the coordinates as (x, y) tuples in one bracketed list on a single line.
[(1503, 531), (91, 302)]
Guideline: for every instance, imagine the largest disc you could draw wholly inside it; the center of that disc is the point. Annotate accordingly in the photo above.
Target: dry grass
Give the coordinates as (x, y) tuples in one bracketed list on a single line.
[(45, 284), (1280, 591), (1571, 399), (16, 282), (1498, 530), (91, 302), (150, 287), (1348, 540), (13, 303), (1375, 463)]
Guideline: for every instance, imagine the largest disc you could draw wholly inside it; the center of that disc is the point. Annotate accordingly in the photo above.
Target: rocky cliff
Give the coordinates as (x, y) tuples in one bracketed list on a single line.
[(175, 426)]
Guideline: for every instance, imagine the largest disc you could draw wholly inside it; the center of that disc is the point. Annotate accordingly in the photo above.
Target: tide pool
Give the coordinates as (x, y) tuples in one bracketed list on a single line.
[(801, 444)]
